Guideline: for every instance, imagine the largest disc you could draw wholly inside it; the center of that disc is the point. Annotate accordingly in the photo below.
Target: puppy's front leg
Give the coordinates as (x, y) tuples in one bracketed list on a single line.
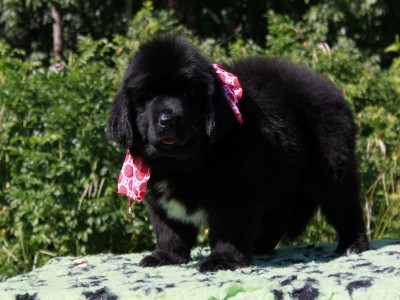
[(232, 236), (174, 240)]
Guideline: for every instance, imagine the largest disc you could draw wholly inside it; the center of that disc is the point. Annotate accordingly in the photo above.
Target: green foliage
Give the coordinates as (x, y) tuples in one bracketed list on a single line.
[(28, 24), (58, 169), (395, 47), (59, 172)]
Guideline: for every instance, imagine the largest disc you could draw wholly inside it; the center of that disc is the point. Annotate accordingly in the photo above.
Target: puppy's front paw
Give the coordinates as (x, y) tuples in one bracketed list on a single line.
[(223, 261), (150, 261), (161, 258)]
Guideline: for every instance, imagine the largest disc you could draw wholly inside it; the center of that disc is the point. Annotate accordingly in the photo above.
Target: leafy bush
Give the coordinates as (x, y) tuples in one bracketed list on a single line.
[(59, 172), (58, 169)]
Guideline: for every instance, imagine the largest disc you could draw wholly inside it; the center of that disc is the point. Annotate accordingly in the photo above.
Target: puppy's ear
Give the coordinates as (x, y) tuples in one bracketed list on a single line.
[(119, 127), (219, 116)]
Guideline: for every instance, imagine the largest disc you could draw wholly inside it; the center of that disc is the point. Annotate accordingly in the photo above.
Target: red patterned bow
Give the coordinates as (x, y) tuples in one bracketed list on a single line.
[(132, 181), (232, 88)]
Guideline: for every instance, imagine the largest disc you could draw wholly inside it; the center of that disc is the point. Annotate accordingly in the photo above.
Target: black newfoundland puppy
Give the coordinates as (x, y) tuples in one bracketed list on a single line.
[(251, 183)]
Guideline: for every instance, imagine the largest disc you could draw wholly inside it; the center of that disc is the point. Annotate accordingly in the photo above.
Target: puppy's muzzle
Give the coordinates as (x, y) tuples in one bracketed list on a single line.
[(168, 126)]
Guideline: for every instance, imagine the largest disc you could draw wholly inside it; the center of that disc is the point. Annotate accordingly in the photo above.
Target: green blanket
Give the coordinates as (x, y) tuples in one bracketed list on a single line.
[(298, 272)]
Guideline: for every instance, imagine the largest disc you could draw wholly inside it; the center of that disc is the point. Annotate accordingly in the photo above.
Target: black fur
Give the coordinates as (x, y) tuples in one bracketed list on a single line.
[(253, 182)]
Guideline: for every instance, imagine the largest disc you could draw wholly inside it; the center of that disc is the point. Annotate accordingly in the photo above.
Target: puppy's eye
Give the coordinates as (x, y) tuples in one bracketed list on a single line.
[(147, 96), (188, 94), (138, 95), (143, 97)]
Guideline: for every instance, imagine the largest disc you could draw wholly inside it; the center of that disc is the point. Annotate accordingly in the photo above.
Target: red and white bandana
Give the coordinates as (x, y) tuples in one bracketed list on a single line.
[(232, 88), (132, 181)]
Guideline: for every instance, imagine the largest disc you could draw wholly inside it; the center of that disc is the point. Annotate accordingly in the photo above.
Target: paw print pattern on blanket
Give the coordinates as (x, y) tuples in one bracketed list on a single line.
[(298, 272)]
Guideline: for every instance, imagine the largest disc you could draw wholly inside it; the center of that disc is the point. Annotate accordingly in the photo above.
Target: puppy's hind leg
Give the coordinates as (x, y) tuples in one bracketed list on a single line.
[(289, 220), (340, 204)]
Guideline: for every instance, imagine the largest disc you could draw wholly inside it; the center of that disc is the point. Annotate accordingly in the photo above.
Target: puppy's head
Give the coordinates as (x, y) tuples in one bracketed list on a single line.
[(170, 103)]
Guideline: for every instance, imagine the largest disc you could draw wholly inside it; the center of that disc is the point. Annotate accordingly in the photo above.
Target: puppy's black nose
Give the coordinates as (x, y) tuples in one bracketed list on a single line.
[(167, 122)]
